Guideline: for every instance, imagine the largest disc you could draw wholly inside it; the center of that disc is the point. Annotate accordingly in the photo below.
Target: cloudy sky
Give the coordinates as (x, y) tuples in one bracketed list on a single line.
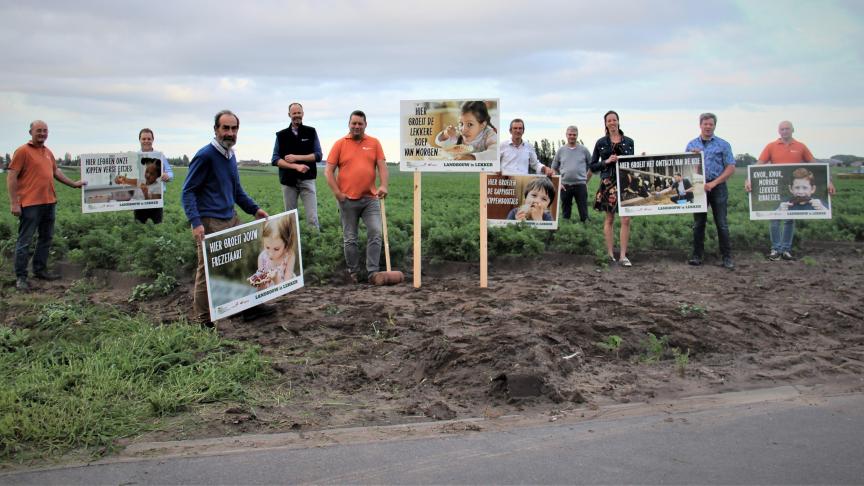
[(98, 71)]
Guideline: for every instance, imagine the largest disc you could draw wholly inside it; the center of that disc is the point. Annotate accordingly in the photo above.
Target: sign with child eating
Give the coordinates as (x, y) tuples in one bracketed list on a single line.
[(449, 135), (789, 191), (252, 263), (531, 200), (121, 181)]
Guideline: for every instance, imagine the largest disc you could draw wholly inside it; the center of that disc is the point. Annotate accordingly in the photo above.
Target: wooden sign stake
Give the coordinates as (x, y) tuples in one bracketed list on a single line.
[(417, 228)]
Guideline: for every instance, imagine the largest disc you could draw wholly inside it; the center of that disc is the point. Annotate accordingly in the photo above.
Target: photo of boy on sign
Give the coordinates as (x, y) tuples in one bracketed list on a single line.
[(530, 200), (802, 189), (537, 201), (789, 191)]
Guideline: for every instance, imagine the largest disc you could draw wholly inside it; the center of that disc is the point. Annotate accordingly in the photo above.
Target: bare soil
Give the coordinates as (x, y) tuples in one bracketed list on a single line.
[(349, 355)]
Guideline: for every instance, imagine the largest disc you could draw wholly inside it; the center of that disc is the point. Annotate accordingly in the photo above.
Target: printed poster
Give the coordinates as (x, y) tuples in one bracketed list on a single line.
[(449, 135), (789, 191), (252, 263), (121, 181), (528, 199), (661, 184)]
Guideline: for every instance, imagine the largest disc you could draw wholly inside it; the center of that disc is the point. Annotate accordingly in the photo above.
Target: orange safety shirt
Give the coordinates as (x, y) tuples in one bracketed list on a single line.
[(35, 167), (778, 152), (356, 161)]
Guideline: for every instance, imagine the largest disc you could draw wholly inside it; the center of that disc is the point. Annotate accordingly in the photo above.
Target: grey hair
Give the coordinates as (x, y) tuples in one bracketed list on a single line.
[(224, 112)]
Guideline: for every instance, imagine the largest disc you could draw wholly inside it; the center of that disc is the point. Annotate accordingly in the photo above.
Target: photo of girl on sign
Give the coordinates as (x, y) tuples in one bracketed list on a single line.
[(474, 134), (277, 258)]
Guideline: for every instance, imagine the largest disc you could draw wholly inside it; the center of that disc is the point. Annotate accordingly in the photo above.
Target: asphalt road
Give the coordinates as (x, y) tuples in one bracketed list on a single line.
[(778, 437)]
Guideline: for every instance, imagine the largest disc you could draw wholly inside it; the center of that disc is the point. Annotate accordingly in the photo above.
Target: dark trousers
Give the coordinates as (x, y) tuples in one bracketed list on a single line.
[(718, 199), (580, 193), (200, 301), (142, 215), (39, 217), (688, 196)]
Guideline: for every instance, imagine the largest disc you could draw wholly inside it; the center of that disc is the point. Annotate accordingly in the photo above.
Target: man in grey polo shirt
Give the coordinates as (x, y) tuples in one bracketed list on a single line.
[(571, 161)]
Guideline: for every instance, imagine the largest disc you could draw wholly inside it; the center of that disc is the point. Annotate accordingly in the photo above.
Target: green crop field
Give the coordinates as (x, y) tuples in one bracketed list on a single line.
[(80, 374), (450, 227)]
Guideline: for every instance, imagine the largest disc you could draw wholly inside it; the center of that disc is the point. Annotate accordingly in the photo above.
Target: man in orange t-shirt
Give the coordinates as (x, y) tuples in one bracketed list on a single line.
[(32, 199), (784, 150), (350, 173)]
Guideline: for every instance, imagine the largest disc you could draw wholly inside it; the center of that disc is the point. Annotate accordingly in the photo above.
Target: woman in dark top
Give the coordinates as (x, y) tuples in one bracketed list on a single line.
[(603, 162)]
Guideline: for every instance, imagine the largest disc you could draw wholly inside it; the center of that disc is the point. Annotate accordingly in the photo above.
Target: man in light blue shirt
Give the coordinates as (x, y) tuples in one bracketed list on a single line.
[(719, 166)]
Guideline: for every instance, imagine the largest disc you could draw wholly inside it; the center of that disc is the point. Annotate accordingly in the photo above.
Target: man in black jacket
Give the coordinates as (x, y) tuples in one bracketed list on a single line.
[(682, 187), (296, 152)]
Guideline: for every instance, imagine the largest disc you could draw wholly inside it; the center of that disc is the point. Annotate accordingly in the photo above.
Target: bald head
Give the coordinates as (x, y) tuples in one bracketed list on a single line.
[(38, 132), (785, 129)]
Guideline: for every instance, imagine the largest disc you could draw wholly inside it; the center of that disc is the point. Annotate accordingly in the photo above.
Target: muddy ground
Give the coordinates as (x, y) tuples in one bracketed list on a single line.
[(350, 355)]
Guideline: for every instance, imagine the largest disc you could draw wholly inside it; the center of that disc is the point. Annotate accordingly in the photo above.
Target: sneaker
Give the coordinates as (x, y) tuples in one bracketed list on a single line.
[(774, 255), (612, 260), (786, 256), (695, 261), (625, 262), (728, 264), (21, 284), (45, 275)]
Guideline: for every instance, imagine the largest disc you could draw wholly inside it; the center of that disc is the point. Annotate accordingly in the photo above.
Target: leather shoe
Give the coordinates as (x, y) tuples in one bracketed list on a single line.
[(45, 275)]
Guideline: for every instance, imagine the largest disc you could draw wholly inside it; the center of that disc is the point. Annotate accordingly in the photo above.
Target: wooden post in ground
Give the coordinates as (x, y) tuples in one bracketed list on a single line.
[(417, 228), (484, 263)]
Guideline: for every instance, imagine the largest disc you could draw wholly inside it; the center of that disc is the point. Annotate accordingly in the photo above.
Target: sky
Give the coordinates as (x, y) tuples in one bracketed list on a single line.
[(99, 71)]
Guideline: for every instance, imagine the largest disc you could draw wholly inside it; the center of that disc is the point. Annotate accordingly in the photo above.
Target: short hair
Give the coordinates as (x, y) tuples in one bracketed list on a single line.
[(295, 103), (802, 173), (572, 127), (705, 116), (515, 120), (35, 122), (224, 112), (677, 174), (357, 113), (145, 130), (541, 184)]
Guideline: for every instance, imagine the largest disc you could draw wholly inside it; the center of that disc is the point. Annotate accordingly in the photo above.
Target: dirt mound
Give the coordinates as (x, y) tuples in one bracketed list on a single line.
[(358, 354)]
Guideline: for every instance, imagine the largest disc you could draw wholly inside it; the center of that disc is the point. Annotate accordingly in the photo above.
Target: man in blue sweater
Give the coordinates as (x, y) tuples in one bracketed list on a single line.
[(211, 189)]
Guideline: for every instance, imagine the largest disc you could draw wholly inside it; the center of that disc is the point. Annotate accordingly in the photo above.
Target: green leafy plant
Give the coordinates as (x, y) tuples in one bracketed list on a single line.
[(612, 343), (163, 285), (681, 360), (654, 348), (809, 261), (687, 310)]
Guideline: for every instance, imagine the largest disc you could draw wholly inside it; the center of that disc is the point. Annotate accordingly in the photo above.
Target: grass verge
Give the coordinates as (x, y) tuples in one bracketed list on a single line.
[(80, 375)]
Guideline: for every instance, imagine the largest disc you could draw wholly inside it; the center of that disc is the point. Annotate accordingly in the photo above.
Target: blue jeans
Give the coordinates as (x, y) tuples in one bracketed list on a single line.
[(306, 190), (781, 238), (718, 199), (351, 211), (39, 217)]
